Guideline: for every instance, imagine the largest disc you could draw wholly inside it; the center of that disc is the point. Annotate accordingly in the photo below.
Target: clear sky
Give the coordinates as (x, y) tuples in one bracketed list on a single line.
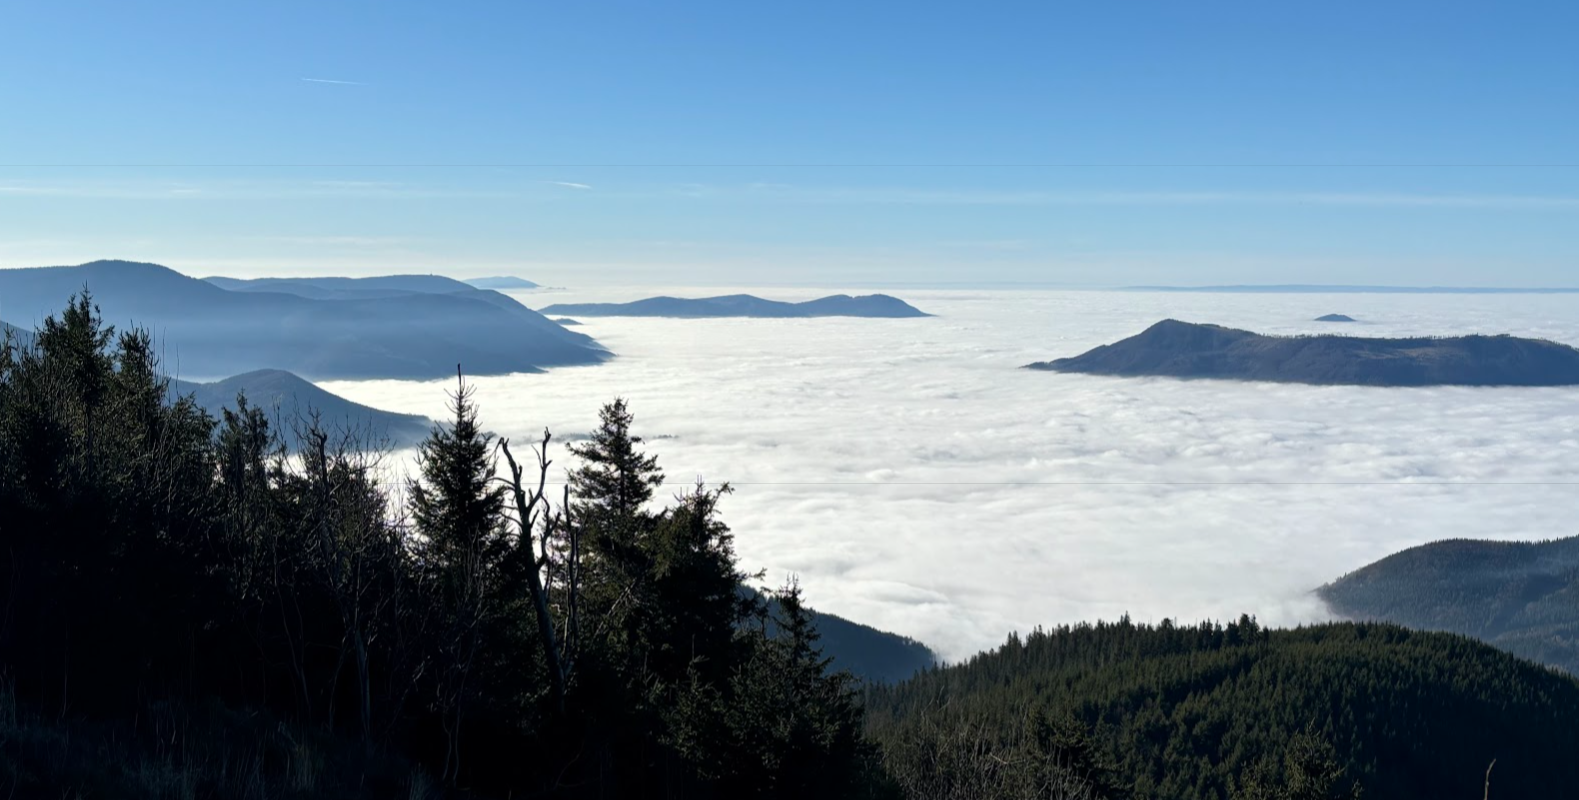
[(730, 142)]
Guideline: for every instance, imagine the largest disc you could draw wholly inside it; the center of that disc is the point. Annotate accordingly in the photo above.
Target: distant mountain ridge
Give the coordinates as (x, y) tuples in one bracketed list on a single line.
[(288, 399), (1187, 350), (1303, 288), (319, 328), (1520, 596), (502, 282), (346, 288), (744, 305)]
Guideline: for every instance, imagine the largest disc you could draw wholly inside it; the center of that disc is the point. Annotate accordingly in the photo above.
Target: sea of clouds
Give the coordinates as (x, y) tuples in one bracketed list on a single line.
[(917, 480)]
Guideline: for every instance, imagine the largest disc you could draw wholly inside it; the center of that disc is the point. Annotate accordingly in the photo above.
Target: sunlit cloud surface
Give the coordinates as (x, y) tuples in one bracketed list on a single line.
[(917, 480)]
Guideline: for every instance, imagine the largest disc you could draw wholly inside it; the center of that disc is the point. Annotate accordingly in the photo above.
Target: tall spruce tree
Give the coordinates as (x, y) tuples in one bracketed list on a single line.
[(615, 479), (457, 510)]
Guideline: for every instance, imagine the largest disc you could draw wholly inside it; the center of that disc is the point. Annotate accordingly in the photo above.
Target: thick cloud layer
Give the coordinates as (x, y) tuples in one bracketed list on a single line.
[(917, 480)]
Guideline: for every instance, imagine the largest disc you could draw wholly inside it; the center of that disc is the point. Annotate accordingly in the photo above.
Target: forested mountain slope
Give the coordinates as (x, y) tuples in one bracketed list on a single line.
[(1180, 713), (864, 651), (1520, 596)]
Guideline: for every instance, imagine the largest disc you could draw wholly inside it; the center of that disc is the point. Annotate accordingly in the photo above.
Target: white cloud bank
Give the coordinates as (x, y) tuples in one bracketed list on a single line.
[(918, 481)]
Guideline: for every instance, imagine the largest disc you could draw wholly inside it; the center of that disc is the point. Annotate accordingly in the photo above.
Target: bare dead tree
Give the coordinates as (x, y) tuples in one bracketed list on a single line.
[(533, 511)]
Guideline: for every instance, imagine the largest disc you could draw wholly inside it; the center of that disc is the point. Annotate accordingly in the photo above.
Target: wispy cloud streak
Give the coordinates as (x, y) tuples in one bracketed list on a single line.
[(327, 80), (911, 196)]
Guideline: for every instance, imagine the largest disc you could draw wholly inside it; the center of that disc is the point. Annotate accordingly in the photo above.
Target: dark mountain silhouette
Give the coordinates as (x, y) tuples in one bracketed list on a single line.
[(317, 328), (1335, 318), (1520, 596), (288, 399), (869, 653), (502, 282), (1186, 350), (566, 321), (745, 305)]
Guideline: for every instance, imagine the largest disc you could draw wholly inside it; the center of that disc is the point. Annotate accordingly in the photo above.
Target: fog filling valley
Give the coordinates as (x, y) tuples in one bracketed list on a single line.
[(917, 480)]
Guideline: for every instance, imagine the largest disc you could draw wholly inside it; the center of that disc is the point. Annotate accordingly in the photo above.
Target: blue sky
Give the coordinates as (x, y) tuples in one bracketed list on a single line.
[(817, 143)]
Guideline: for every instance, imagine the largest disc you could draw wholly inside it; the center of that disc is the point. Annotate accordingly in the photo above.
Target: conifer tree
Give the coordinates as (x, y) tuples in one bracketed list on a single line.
[(615, 479), (456, 508)]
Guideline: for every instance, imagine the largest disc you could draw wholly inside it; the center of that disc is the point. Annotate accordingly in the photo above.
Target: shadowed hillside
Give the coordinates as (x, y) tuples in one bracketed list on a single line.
[(869, 653), (864, 651), (744, 305), (289, 399), (1176, 349), (1520, 596), (205, 330)]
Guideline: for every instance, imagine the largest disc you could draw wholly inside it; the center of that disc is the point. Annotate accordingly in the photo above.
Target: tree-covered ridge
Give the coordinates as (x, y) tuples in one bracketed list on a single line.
[(1200, 711), (869, 653), (1520, 596)]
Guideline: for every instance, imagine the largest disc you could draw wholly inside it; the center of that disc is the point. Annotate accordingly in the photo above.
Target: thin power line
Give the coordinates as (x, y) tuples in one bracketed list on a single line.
[(1141, 483), (563, 165)]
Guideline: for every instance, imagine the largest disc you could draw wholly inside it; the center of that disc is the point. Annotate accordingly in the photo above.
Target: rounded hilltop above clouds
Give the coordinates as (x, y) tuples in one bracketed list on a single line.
[(1174, 349), (1335, 318)]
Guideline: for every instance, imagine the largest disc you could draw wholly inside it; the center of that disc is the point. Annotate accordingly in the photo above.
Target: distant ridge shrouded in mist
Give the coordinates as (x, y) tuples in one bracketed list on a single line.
[(745, 305), (288, 400), (408, 327), (1304, 288), (502, 282)]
